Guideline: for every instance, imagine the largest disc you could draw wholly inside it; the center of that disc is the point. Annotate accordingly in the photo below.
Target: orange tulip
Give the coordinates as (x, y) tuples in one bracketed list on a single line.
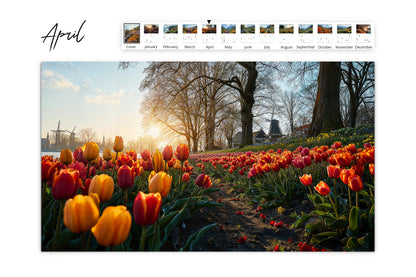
[(158, 162), (81, 213), (146, 208), (103, 185), (185, 177), (182, 152), (118, 144), (306, 179), (65, 184), (113, 227), (371, 168), (346, 174), (107, 154), (322, 188), (167, 153), (160, 182), (66, 156), (90, 150)]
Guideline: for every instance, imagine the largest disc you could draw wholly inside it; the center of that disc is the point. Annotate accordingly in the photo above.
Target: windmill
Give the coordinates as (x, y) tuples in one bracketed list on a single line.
[(71, 138), (58, 132), (274, 129)]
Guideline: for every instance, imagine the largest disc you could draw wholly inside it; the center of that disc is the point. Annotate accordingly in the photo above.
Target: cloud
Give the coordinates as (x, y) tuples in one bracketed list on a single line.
[(54, 80), (113, 99)]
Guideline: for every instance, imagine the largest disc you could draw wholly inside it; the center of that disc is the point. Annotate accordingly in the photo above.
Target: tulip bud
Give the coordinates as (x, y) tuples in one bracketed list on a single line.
[(182, 152), (80, 213), (306, 179), (107, 154), (103, 185), (66, 156), (160, 182), (65, 184), (203, 181), (118, 144), (167, 153), (90, 151), (146, 208), (371, 168), (322, 188), (113, 227), (158, 162), (185, 177), (125, 177)]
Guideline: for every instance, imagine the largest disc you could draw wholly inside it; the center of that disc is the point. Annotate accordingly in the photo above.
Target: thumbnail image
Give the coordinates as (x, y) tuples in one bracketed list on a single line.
[(189, 29), (363, 29), (266, 28), (151, 29), (227, 28), (209, 28), (324, 29), (131, 33), (247, 28), (286, 29), (305, 29), (344, 29), (170, 28)]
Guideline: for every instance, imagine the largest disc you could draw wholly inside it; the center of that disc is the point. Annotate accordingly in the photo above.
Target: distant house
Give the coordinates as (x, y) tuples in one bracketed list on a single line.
[(258, 137), (45, 142), (301, 131)]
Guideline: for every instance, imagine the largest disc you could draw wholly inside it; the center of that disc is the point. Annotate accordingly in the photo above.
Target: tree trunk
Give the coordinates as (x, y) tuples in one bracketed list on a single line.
[(353, 108), (247, 103), (326, 113)]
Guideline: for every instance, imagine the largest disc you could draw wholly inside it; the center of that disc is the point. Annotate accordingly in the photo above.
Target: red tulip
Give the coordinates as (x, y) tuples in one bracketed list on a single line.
[(65, 184), (355, 183), (185, 177), (333, 171), (145, 154), (371, 168), (346, 174), (167, 153), (125, 177), (203, 181), (182, 152), (146, 208), (322, 188)]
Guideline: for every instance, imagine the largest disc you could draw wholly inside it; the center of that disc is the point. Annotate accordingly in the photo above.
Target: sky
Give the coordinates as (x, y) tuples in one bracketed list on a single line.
[(95, 95)]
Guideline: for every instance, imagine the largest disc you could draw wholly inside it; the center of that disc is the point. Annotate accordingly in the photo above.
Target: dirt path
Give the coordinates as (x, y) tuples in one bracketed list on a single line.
[(238, 219)]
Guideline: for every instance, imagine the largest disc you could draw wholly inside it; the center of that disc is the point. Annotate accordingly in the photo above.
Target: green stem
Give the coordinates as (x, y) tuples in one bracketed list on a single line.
[(335, 188), (333, 205), (349, 196), (58, 224), (143, 238), (88, 241), (43, 193), (155, 235), (114, 165), (88, 169), (356, 198), (125, 196)]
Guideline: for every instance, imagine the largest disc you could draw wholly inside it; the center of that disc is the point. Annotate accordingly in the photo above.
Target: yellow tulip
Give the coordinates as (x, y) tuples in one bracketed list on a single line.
[(113, 227), (103, 185), (81, 213), (90, 150), (160, 182), (158, 162), (107, 154), (118, 144), (66, 156)]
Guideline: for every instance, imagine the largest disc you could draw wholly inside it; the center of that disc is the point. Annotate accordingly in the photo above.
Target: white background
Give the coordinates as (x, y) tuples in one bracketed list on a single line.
[(22, 51)]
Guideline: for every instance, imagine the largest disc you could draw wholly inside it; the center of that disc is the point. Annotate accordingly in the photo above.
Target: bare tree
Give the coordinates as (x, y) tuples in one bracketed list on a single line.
[(87, 134)]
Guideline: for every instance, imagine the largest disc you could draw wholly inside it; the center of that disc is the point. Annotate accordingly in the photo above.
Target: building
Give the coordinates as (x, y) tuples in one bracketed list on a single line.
[(301, 131), (274, 130), (45, 142), (258, 137)]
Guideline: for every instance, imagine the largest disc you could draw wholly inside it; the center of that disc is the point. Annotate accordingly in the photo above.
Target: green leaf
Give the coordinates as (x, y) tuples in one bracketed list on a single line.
[(311, 227), (321, 237), (301, 220), (337, 223), (195, 237), (178, 219), (353, 222)]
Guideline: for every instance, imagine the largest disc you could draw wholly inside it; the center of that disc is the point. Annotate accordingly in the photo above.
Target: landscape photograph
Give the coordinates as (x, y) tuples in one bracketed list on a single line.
[(221, 156), (266, 28), (209, 28), (151, 28), (324, 29), (305, 29), (228, 29), (189, 28), (170, 28), (131, 32), (286, 29), (248, 28), (344, 29)]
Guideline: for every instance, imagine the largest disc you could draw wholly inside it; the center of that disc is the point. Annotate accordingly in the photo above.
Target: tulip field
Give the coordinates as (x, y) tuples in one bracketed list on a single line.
[(305, 194)]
